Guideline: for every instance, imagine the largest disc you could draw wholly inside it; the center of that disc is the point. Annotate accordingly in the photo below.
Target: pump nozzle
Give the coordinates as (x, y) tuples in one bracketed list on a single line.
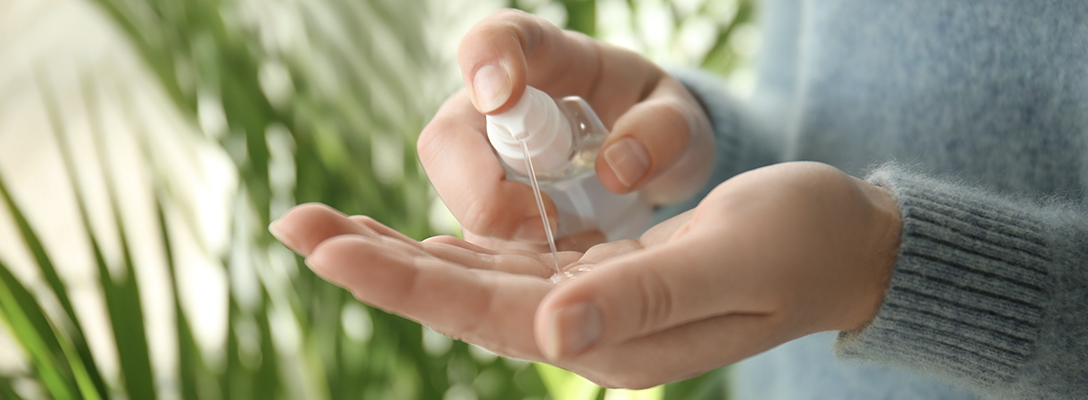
[(537, 121)]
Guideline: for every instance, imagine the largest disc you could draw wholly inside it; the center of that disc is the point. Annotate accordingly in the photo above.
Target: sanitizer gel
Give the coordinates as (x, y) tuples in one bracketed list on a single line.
[(561, 139)]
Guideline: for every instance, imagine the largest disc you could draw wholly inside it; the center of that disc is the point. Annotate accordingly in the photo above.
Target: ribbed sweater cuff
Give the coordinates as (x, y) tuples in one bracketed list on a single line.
[(967, 293)]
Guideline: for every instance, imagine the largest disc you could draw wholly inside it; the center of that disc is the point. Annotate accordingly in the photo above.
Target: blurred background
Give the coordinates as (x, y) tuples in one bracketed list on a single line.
[(146, 144)]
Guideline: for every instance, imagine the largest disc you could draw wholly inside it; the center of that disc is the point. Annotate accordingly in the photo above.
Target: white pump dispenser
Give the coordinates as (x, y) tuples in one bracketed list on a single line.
[(562, 139)]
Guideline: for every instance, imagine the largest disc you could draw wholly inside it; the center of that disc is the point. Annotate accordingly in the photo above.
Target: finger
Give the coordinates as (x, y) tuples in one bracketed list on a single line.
[(664, 232), (645, 292), (504, 244), (594, 256), (525, 263), (304, 226), (511, 49), (461, 165), (604, 251), (544, 257), (663, 145), (491, 309), (379, 228), (676, 354), (579, 242), (454, 241)]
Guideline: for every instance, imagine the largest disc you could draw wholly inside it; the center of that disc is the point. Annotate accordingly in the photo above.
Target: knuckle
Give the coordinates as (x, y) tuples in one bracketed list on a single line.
[(428, 144), (492, 26), (681, 114), (657, 300), (425, 146), (363, 219), (480, 217)]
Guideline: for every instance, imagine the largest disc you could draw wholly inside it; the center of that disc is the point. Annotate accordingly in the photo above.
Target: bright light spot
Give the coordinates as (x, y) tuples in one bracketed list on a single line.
[(723, 11), (276, 84), (209, 110), (356, 322), (441, 219), (489, 383), (460, 392), (387, 155), (697, 35), (514, 363), (285, 331), (614, 24), (11, 355), (656, 392), (435, 343), (534, 4), (202, 290), (743, 82), (554, 12), (685, 8), (655, 23), (281, 169), (212, 191), (746, 40), (90, 307), (480, 354), (27, 388), (244, 286)]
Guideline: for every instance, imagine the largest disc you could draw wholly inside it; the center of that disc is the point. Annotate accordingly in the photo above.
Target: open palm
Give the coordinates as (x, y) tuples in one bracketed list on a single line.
[(769, 256)]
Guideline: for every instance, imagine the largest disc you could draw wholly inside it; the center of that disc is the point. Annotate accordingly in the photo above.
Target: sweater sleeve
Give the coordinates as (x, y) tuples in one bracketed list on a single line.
[(987, 290)]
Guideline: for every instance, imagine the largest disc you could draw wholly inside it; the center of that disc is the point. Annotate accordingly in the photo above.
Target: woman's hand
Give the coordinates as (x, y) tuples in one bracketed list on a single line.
[(769, 256), (661, 143)]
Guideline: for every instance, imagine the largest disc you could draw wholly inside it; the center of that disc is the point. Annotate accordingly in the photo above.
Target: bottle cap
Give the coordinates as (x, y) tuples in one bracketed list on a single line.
[(537, 121)]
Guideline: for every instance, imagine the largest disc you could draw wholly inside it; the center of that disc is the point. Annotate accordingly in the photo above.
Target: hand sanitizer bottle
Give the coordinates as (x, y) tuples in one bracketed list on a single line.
[(562, 138)]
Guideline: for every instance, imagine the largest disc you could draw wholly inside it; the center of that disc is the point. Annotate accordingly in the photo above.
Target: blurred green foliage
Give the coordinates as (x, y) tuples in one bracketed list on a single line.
[(313, 101)]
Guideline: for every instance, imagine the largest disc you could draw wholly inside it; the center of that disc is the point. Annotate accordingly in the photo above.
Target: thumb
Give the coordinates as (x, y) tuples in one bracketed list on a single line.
[(633, 296), (510, 49), (492, 59)]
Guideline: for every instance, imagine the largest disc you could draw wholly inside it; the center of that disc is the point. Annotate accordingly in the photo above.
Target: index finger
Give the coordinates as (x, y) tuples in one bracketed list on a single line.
[(511, 49), (469, 178)]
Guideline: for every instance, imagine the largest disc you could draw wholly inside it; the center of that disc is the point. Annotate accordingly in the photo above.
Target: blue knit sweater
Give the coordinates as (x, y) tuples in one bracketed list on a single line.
[(974, 114)]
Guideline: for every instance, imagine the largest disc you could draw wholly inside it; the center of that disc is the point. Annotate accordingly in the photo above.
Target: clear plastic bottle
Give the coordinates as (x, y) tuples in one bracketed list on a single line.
[(563, 137)]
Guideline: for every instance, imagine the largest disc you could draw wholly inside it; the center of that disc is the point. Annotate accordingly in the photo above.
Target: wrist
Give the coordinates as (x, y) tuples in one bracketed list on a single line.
[(885, 229)]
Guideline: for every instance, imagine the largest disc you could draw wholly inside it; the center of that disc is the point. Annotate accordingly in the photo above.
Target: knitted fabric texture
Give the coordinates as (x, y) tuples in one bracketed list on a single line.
[(975, 114)]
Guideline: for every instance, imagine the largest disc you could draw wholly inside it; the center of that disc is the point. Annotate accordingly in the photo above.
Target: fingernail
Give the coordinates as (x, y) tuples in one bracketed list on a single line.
[(532, 231), (491, 88), (277, 232), (572, 330), (628, 159)]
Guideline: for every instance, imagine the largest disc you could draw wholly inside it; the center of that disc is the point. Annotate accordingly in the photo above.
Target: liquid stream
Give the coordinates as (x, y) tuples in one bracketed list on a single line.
[(543, 213)]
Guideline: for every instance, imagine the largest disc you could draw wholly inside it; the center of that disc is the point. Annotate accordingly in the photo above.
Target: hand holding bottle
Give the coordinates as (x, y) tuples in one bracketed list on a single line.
[(660, 143)]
